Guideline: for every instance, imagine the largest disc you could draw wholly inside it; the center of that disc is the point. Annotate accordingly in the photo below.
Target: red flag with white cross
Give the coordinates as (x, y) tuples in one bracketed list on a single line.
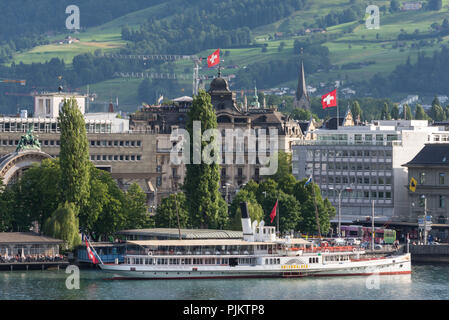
[(329, 99), (213, 59)]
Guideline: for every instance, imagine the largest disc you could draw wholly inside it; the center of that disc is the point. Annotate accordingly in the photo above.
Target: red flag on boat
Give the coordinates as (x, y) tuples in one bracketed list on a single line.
[(90, 254), (213, 59), (273, 212)]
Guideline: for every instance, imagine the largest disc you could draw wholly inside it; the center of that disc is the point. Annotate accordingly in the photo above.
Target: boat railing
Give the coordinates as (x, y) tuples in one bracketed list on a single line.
[(331, 249), (193, 253)]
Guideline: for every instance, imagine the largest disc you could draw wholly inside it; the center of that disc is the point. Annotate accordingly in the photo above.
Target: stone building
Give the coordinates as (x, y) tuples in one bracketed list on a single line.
[(163, 120), (430, 168)]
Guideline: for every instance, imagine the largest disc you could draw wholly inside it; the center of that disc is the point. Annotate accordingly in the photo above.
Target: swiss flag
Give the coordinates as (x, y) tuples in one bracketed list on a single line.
[(273, 212), (329, 99), (213, 59), (90, 254)]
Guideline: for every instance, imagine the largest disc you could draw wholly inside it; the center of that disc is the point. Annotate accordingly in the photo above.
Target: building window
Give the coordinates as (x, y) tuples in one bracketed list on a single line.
[(422, 178), (442, 178), (441, 202)]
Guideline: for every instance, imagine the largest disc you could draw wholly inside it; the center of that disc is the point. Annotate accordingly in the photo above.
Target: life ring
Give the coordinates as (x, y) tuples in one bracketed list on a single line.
[(354, 250), (327, 250)]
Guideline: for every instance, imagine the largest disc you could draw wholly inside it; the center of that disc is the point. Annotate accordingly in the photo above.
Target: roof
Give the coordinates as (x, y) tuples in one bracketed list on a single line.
[(208, 242), (183, 99), (433, 154), (185, 233), (26, 237)]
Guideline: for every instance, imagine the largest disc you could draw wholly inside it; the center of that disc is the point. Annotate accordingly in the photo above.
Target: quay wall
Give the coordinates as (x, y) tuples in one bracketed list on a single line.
[(430, 253)]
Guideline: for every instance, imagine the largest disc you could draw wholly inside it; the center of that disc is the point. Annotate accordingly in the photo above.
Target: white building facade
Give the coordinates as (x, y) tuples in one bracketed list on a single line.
[(47, 105), (363, 164)]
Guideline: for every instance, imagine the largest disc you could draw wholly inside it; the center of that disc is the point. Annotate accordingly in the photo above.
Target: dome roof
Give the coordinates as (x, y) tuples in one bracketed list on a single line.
[(219, 84)]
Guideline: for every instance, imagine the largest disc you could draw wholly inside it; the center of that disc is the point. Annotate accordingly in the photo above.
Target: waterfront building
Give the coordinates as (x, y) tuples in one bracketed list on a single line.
[(165, 119), (27, 244), (362, 164), (430, 169)]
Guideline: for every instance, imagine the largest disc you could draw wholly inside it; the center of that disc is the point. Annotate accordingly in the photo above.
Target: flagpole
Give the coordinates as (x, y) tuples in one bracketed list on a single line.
[(277, 215), (95, 251), (336, 97)]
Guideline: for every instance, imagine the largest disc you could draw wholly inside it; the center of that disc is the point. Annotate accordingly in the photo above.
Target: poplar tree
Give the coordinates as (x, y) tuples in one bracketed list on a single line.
[(74, 154), (395, 112), (420, 114), (385, 113), (202, 181)]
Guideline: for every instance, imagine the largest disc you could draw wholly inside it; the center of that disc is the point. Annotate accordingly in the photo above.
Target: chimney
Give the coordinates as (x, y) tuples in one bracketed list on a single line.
[(248, 234)]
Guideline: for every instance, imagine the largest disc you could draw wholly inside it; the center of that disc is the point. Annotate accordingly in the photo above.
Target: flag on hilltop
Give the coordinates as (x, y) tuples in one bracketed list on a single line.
[(329, 99), (273, 212), (213, 59)]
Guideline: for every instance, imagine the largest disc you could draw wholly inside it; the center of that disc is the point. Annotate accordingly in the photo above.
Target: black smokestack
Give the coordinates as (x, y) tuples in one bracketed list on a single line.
[(244, 209)]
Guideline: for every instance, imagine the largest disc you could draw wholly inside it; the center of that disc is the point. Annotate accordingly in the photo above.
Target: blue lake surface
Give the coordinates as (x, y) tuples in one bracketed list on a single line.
[(427, 282)]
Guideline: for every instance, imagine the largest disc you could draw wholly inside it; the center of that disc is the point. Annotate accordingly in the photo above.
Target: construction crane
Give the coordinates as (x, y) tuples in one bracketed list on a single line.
[(22, 82)]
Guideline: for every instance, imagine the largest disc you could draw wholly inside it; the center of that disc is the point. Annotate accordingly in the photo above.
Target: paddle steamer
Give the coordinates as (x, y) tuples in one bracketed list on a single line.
[(260, 254)]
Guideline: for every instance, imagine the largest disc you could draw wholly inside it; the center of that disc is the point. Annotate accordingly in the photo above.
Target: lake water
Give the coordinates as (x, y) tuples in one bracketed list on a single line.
[(425, 282)]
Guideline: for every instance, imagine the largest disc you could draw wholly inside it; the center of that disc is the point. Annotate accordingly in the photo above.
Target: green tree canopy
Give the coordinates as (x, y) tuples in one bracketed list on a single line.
[(385, 115), (255, 209), (395, 112), (63, 224), (420, 114), (166, 216)]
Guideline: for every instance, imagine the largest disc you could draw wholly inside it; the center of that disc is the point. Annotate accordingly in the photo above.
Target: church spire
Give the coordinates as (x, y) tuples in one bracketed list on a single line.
[(302, 99)]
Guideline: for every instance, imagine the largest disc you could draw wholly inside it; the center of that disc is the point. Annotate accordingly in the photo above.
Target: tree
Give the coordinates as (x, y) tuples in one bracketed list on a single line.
[(406, 112), (74, 154), (420, 114), (385, 115), (395, 112), (304, 195), (435, 5), (437, 113), (394, 6), (137, 216), (201, 185), (283, 175), (255, 209), (63, 224), (356, 110), (169, 208)]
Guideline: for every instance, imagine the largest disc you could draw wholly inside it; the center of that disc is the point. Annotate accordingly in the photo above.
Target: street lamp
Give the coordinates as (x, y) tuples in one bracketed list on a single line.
[(339, 205), (226, 186)]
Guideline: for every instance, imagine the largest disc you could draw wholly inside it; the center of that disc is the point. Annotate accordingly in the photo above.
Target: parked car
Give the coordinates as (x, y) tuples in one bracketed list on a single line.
[(353, 241)]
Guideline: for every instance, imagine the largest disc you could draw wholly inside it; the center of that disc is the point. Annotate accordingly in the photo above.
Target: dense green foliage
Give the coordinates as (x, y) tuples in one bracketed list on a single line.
[(63, 224), (205, 204), (168, 211), (219, 24), (37, 195), (74, 154)]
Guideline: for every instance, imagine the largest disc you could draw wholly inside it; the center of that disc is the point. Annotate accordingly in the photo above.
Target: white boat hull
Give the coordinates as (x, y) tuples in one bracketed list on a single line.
[(386, 266)]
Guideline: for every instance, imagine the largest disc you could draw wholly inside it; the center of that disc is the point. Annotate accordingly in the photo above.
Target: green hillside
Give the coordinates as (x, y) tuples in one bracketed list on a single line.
[(356, 53)]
